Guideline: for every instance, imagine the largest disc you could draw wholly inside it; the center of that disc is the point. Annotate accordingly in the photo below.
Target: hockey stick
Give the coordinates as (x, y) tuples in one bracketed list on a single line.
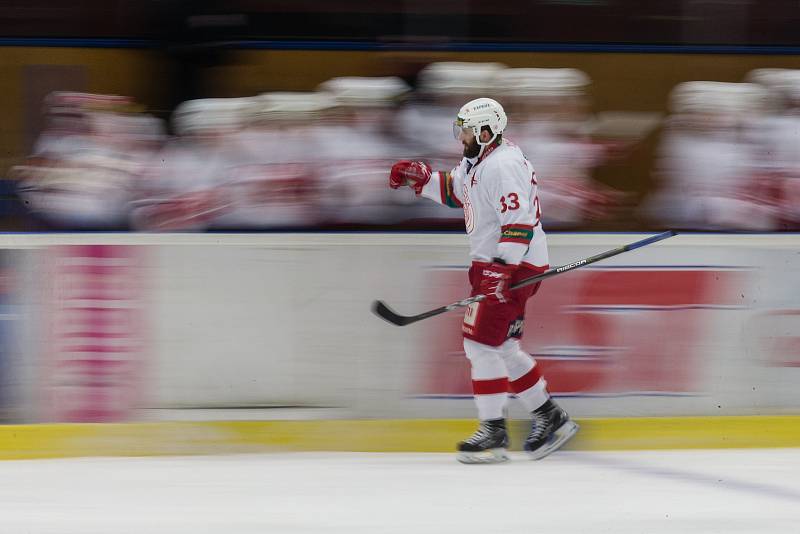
[(385, 312)]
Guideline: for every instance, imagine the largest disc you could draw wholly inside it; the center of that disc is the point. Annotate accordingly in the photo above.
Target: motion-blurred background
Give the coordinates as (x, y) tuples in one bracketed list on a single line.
[(276, 122), (165, 115)]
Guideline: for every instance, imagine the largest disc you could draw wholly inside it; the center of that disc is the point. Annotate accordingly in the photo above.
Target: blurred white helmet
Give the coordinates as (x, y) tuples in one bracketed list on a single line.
[(210, 115), (448, 78), (717, 97), (542, 82), (765, 77), (293, 106), (359, 91), (478, 113), (783, 84)]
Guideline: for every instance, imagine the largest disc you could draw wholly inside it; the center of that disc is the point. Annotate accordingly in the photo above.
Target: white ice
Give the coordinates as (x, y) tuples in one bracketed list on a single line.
[(710, 491)]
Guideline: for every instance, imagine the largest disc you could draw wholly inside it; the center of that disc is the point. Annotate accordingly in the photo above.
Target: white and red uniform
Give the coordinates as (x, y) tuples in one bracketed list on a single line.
[(711, 181), (273, 181), (181, 190), (83, 177), (501, 208), (352, 170), (498, 193), (778, 139)]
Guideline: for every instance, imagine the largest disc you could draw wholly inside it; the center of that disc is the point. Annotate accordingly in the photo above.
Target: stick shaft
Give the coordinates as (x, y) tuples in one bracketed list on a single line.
[(602, 256), (386, 313)]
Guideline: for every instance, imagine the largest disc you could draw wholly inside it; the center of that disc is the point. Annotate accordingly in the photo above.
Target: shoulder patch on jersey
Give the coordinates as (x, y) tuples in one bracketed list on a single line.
[(516, 233)]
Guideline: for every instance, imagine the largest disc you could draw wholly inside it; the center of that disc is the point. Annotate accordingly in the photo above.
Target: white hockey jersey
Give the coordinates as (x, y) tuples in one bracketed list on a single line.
[(498, 193)]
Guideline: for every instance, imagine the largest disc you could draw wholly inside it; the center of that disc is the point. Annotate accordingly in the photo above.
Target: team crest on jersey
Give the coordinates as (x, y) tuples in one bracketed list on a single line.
[(471, 316), (469, 213)]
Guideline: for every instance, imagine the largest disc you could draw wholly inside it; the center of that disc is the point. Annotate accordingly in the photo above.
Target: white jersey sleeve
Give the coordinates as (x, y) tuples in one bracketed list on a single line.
[(442, 188), (517, 206)]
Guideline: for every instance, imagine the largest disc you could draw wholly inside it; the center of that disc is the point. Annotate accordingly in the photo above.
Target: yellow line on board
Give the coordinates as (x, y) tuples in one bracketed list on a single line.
[(688, 433), (407, 435)]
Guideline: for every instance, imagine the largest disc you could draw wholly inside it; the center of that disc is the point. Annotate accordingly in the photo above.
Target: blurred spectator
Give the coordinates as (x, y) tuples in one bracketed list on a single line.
[(359, 148), (273, 179), (551, 122), (729, 158), (778, 136), (709, 169), (181, 189), (87, 159)]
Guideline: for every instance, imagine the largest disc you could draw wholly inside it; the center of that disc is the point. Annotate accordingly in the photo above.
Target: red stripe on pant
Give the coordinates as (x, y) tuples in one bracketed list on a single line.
[(490, 387), (526, 381)]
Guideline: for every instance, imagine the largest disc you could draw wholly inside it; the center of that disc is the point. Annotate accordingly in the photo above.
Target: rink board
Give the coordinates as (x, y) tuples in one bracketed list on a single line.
[(109, 326), (237, 437)]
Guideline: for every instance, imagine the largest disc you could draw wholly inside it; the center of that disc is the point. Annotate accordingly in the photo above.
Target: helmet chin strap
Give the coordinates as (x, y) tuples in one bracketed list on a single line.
[(484, 145)]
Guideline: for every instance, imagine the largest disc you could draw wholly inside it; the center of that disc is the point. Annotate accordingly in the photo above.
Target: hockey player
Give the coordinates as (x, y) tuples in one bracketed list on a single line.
[(496, 187)]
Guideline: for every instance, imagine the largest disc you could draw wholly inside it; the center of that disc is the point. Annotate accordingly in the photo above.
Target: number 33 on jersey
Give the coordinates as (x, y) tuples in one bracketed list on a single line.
[(501, 205)]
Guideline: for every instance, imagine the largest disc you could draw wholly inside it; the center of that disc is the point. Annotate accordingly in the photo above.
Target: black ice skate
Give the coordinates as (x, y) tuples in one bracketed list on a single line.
[(551, 428), (487, 445)]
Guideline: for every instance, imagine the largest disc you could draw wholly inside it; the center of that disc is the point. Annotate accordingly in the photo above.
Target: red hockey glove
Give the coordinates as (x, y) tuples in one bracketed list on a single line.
[(496, 283), (414, 174)]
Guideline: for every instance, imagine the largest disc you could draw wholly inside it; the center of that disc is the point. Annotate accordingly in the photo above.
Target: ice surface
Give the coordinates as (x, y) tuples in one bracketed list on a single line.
[(725, 491)]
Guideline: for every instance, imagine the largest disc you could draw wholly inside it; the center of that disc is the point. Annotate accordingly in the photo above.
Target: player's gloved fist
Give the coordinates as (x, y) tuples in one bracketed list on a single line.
[(414, 174), (496, 283)]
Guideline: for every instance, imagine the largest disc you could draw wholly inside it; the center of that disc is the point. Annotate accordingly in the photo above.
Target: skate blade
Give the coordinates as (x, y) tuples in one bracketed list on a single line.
[(491, 456), (557, 440)]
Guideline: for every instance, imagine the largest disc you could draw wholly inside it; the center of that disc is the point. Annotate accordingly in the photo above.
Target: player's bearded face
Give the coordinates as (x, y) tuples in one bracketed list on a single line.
[(471, 147)]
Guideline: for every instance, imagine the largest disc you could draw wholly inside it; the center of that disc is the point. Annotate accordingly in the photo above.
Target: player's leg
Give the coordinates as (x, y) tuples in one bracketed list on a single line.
[(525, 379), (484, 331), (551, 426), (490, 390)]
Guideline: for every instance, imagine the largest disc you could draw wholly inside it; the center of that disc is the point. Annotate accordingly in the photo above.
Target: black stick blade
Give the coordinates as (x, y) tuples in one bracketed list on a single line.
[(387, 314)]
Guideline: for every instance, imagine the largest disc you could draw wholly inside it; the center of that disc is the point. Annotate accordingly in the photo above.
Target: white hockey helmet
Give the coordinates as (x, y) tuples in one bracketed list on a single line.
[(478, 113)]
